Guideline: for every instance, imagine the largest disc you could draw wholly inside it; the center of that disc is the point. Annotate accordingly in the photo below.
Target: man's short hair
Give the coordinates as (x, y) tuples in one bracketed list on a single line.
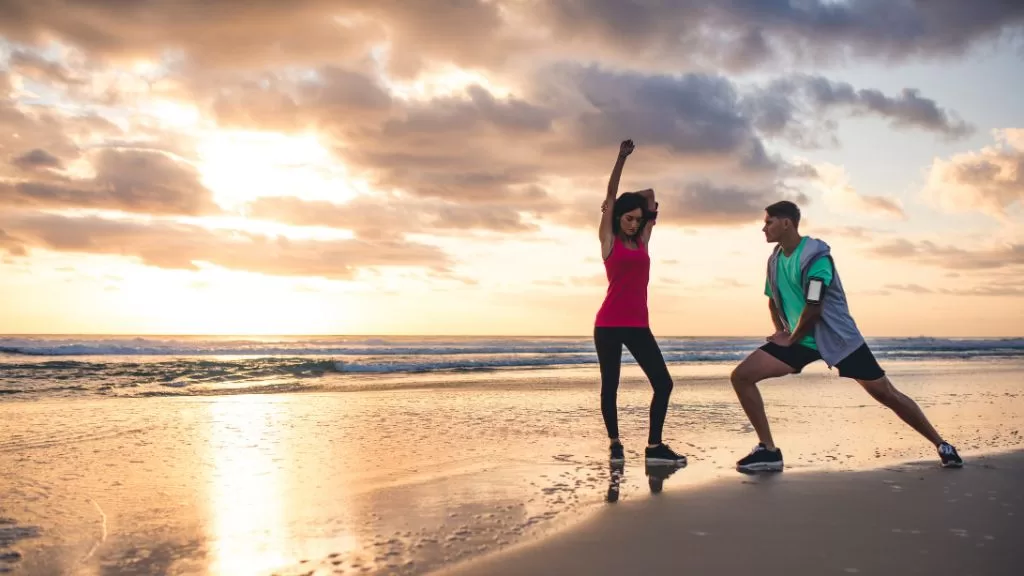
[(785, 209)]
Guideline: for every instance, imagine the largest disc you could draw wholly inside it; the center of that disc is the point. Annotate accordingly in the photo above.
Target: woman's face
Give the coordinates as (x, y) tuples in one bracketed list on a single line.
[(630, 222)]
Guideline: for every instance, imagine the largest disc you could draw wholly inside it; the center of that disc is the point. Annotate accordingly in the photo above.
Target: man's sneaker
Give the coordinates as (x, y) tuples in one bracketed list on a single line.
[(950, 459), (617, 456), (761, 459), (662, 454)]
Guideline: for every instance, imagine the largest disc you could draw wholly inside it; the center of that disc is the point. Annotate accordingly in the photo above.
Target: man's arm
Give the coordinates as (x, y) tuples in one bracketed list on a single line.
[(820, 272), (776, 320), (809, 317), (780, 325)]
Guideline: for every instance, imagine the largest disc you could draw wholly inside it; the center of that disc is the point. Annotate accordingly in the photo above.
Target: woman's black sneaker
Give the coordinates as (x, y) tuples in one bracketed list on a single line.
[(761, 459), (617, 456), (950, 459), (662, 454)]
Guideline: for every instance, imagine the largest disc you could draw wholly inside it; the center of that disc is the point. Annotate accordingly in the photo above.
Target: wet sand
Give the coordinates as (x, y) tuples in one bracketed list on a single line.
[(426, 477), (906, 520)]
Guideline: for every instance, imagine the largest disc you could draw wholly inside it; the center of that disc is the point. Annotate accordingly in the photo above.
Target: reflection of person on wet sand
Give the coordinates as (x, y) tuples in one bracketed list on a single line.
[(615, 481), (656, 476)]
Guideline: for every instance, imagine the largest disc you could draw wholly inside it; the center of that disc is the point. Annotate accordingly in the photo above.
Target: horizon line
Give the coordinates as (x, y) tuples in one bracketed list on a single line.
[(426, 335)]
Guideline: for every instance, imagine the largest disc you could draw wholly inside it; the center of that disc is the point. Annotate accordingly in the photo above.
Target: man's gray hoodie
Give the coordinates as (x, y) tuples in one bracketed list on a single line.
[(835, 333)]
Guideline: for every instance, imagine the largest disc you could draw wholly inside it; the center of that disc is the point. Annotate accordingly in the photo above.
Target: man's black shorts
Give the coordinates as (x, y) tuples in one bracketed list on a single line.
[(859, 365)]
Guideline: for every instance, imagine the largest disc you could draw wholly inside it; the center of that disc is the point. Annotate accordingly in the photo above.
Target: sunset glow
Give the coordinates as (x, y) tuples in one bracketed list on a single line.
[(385, 171)]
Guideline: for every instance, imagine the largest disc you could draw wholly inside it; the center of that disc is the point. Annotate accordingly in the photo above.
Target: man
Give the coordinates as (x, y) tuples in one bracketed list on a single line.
[(812, 322)]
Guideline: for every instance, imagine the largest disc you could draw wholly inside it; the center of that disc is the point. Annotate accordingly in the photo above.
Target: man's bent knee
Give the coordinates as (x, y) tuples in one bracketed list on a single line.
[(745, 374), (758, 366), (741, 377)]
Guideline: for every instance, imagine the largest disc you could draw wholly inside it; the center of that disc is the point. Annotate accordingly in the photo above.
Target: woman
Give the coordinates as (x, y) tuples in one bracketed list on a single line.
[(625, 231)]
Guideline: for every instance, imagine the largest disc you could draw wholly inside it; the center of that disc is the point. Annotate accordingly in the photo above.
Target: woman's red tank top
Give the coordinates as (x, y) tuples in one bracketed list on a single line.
[(625, 303)]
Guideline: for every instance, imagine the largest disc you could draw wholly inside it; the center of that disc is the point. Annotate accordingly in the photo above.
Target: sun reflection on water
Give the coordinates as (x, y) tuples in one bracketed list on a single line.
[(276, 496), (247, 494)]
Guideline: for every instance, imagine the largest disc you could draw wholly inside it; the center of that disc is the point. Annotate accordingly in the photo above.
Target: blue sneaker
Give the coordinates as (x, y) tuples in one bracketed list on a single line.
[(950, 459)]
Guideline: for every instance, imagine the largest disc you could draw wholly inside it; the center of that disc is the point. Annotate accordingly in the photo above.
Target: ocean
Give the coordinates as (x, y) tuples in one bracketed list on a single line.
[(75, 365), (405, 455)]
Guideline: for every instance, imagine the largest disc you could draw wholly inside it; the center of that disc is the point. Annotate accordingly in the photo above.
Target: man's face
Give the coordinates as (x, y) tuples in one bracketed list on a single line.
[(774, 228)]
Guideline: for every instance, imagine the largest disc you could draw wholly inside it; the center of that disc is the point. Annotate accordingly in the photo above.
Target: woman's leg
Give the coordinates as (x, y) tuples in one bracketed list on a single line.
[(608, 342), (645, 350)]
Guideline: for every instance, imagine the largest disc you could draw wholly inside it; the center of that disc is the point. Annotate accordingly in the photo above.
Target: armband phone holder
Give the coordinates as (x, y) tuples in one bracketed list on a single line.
[(815, 290)]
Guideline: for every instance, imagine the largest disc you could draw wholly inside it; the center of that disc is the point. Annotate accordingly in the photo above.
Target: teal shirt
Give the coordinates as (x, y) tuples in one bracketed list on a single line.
[(792, 290)]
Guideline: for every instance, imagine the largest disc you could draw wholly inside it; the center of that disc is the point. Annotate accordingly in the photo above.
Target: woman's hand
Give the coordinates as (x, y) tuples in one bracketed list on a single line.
[(626, 148)]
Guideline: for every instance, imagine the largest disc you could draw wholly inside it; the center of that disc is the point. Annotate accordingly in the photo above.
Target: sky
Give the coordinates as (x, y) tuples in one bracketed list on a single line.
[(437, 167)]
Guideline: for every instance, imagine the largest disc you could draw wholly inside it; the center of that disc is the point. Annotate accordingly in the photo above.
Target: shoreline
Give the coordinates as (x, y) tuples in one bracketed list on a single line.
[(686, 375), (409, 481), (911, 518)]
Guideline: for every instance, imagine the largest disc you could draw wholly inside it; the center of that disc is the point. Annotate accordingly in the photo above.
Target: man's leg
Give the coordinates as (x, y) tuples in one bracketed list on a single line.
[(759, 365), (884, 392), (863, 367)]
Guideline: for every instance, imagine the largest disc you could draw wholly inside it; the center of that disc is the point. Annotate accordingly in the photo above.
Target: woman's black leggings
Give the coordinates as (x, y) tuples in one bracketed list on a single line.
[(641, 344)]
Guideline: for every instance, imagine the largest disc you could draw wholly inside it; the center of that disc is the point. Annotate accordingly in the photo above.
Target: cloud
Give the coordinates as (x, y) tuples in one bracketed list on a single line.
[(476, 158), (698, 204), (909, 109), (743, 34), (388, 216), (179, 246), (37, 158), (838, 191), (496, 34), (478, 148), (130, 180), (22, 131), (796, 107), (853, 232), (210, 34), (45, 136), (695, 114), (912, 288), (726, 283), (951, 257), (29, 63), (475, 146), (11, 245), (331, 96), (233, 36), (996, 288), (707, 204), (990, 181)]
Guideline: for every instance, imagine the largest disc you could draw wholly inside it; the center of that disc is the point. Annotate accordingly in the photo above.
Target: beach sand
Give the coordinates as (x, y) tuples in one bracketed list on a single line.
[(903, 520), (449, 469)]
